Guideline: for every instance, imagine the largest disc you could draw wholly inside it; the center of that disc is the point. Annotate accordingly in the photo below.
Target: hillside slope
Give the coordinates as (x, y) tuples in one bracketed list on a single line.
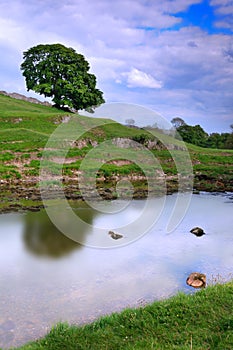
[(26, 127)]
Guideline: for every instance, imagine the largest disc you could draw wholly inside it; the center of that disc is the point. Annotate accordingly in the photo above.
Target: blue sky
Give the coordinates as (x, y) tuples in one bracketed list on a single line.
[(173, 56)]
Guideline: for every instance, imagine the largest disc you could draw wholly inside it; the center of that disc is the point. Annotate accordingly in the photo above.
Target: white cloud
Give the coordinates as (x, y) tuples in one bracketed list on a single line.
[(221, 2), (107, 68), (176, 6), (223, 10), (184, 72), (224, 24), (137, 78)]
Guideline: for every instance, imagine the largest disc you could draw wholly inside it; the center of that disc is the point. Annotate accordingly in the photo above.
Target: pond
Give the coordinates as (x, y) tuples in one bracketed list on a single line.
[(45, 277)]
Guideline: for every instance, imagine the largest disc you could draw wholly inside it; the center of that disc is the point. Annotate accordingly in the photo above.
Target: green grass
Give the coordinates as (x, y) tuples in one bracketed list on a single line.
[(7, 172), (25, 129), (214, 163), (17, 108), (6, 156), (200, 321)]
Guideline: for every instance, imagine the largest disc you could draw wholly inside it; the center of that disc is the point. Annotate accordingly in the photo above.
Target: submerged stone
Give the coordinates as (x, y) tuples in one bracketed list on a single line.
[(114, 235)]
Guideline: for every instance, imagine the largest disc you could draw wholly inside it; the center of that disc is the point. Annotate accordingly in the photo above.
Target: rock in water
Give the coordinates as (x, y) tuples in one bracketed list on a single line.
[(197, 231), (114, 235), (196, 280)]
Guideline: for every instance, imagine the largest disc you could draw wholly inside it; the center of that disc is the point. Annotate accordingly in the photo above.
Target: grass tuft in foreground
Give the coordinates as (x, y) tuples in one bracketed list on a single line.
[(200, 321)]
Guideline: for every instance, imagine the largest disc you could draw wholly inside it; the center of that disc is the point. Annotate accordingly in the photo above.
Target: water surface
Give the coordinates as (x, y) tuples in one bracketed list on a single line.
[(45, 277)]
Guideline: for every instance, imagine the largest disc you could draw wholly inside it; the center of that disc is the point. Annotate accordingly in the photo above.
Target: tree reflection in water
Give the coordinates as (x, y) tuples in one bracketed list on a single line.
[(41, 237)]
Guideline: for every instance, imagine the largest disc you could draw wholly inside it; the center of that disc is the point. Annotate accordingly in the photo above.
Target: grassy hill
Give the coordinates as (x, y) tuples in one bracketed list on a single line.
[(26, 127)]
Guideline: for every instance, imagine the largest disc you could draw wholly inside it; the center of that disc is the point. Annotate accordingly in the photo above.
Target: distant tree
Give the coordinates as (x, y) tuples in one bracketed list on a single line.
[(229, 141), (222, 141), (193, 134), (155, 126), (59, 72), (197, 136), (200, 136), (177, 122), (130, 121), (214, 140), (185, 132)]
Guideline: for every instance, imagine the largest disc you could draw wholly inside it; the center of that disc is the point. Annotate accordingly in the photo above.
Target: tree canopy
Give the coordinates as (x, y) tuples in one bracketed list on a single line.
[(130, 121), (177, 122), (63, 74), (193, 134), (197, 136)]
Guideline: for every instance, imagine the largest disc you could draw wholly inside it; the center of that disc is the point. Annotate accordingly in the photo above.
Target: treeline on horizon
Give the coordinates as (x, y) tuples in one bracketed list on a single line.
[(196, 135)]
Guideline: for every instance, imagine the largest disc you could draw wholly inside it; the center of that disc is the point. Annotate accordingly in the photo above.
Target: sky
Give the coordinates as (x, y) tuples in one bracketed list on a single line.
[(174, 57)]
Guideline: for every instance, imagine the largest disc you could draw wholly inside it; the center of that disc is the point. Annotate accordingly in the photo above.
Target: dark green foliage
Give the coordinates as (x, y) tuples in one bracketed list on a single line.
[(229, 142), (59, 72), (215, 140), (223, 140), (197, 136), (193, 134)]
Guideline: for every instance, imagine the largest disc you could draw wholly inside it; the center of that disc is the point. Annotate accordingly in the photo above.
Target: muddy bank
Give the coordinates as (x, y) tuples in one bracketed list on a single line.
[(20, 195)]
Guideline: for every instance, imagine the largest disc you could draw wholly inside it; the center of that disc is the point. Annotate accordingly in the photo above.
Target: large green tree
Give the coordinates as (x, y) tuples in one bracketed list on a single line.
[(61, 73)]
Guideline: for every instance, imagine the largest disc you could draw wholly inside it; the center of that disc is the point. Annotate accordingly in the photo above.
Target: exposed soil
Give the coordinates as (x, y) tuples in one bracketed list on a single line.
[(25, 194)]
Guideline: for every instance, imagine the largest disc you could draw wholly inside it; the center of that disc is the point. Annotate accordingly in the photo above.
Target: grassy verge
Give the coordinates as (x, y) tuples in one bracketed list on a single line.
[(200, 321)]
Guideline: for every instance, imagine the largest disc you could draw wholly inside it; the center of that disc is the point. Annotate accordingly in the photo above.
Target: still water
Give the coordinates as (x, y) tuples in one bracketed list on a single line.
[(45, 277)]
